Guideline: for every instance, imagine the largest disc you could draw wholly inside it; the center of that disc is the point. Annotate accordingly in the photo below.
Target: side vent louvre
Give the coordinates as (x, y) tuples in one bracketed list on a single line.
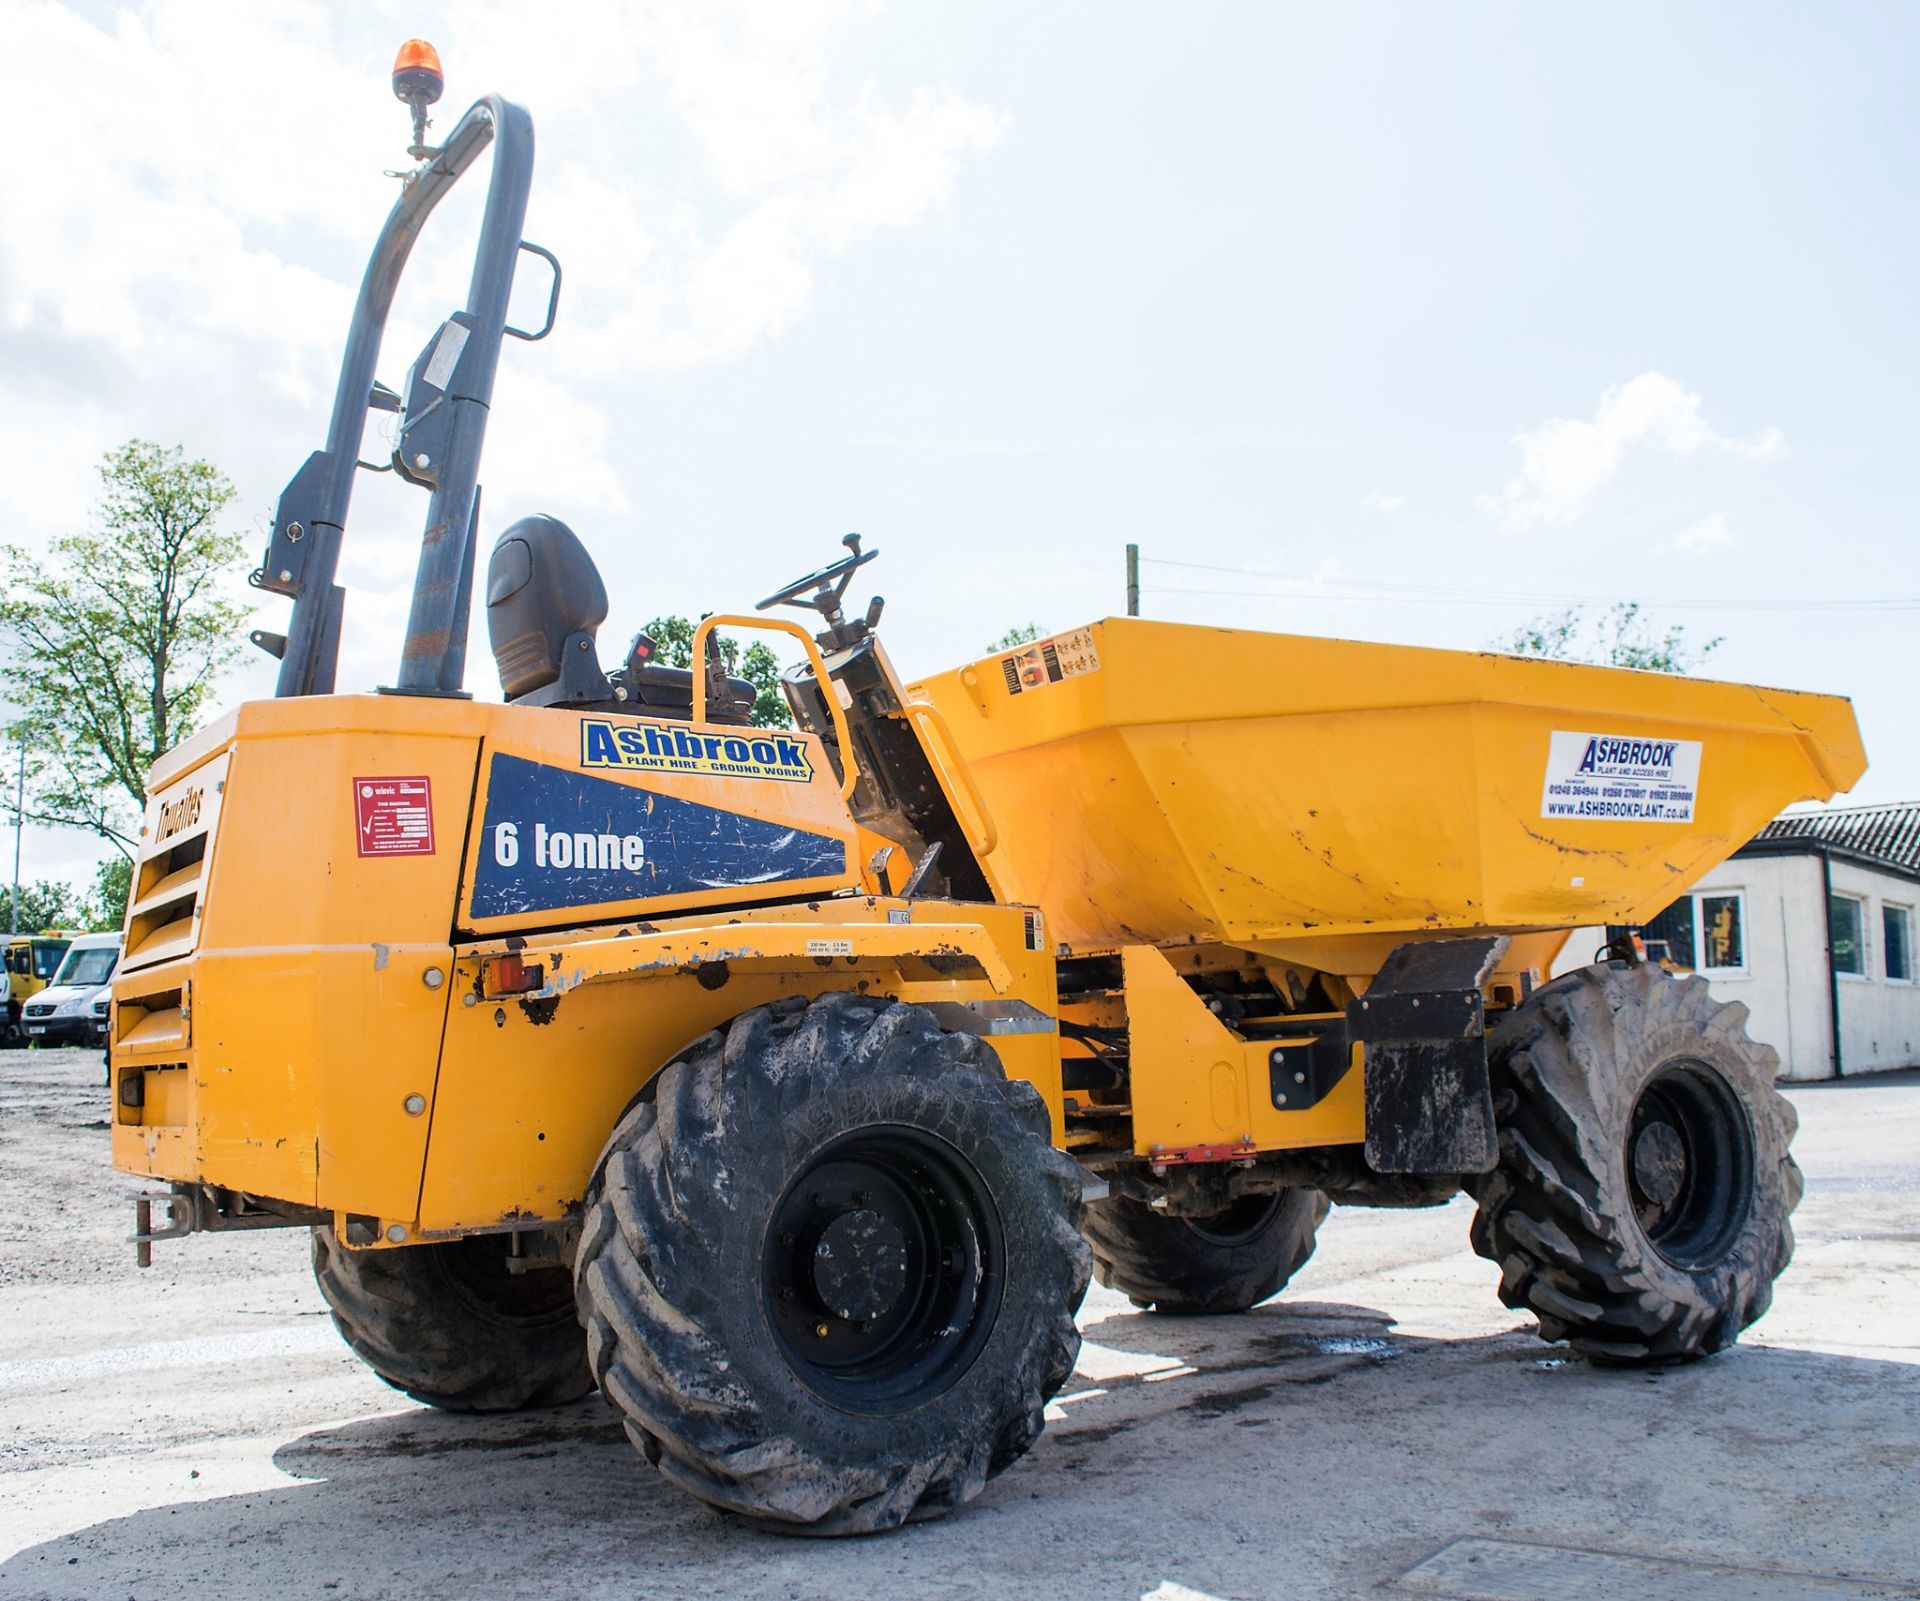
[(160, 922), (156, 1021), (169, 876)]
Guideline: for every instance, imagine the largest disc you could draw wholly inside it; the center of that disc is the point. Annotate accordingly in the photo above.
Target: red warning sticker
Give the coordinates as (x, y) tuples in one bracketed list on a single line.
[(393, 816)]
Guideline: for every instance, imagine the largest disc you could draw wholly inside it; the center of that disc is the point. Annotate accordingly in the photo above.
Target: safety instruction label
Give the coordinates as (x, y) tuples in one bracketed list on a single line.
[(1048, 661), (1622, 778), (393, 816)]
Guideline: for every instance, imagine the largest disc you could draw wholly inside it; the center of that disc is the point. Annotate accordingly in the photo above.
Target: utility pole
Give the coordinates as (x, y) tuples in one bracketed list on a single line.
[(19, 823), (1133, 580)]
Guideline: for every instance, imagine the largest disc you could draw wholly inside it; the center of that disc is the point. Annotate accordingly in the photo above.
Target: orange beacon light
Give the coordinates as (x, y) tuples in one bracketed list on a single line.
[(418, 81)]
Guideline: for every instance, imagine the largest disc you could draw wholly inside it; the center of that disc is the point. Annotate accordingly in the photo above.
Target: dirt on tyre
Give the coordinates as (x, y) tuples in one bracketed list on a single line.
[(1194, 1266), (451, 1326), (829, 1267), (1640, 1205)]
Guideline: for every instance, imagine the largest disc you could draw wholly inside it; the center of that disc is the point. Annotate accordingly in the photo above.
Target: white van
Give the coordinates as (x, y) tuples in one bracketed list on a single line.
[(62, 1013)]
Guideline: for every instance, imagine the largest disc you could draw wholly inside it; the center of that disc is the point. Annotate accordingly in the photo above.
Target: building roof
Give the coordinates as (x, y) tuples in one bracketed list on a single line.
[(1883, 836)]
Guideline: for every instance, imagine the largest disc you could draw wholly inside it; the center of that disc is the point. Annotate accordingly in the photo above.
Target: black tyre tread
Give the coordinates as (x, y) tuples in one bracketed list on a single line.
[(1554, 1213), (1159, 1263), (650, 1311), (402, 1316)]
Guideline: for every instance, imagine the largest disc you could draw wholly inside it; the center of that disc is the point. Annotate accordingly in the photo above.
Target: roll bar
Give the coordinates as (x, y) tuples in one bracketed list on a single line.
[(442, 429)]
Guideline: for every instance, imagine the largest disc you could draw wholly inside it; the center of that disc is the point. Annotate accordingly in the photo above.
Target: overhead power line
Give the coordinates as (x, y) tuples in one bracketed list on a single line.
[(1388, 590)]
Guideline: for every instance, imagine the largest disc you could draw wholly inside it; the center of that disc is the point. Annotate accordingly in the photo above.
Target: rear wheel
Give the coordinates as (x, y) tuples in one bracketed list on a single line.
[(829, 1267), (452, 1326), (1194, 1265), (1640, 1206)]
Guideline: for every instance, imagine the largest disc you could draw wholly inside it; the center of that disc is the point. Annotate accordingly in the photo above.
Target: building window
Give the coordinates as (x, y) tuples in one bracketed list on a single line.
[(1669, 937), (1848, 916), (1722, 924), (1700, 933), (1896, 924)]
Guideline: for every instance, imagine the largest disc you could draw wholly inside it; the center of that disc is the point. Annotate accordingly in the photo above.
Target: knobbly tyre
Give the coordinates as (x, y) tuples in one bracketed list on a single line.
[(787, 1086)]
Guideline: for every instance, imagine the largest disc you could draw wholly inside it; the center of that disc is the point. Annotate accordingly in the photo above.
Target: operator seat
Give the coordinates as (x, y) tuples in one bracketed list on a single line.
[(545, 603)]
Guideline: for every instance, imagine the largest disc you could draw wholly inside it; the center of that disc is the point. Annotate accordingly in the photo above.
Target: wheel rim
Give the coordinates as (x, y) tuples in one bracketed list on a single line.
[(1239, 1223), (882, 1270), (1690, 1162), (477, 1268)]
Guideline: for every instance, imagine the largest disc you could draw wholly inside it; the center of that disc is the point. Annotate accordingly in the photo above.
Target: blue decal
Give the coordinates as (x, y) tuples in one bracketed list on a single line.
[(554, 839)]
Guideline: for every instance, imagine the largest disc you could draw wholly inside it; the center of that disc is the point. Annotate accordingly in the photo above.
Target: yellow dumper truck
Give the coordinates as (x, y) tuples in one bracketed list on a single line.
[(786, 1085)]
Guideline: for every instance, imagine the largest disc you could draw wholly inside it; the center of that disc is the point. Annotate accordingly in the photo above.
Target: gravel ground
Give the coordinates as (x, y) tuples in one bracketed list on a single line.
[(1385, 1429)]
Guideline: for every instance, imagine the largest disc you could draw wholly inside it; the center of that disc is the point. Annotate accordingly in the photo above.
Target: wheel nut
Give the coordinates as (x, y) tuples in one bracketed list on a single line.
[(820, 1330), (787, 1293), (787, 1238)]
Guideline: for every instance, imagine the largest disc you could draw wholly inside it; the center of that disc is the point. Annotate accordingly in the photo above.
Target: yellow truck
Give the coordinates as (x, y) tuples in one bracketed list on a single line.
[(31, 962), (787, 1085)]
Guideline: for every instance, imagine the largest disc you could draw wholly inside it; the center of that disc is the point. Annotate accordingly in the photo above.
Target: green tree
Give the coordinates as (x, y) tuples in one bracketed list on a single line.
[(106, 903), (47, 904), (1013, 638), (1619, 637), (118, 635), (673, 647)]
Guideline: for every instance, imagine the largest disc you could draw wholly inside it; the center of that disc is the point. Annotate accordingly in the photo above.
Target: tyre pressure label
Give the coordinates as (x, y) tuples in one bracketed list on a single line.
[(1621, 778), (393, 816)]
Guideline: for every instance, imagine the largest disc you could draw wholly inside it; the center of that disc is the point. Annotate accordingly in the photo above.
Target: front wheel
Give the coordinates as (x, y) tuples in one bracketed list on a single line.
[(1641, 1201), (829, 1267)]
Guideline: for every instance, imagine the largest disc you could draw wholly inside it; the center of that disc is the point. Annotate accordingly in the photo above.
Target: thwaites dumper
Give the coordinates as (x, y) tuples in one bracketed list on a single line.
[(787, 1085)]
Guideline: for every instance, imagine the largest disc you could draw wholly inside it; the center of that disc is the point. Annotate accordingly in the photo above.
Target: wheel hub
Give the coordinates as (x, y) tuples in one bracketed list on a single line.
[(1690, 1165), (882, 1269), (1660, 1163), (860, 1265)]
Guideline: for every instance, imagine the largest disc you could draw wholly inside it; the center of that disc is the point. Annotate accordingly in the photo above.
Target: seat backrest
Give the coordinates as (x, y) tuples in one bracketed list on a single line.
[(542, 590)]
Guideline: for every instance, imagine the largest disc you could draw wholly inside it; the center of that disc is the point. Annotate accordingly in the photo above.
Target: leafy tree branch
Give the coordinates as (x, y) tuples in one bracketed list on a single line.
[(117, 636)]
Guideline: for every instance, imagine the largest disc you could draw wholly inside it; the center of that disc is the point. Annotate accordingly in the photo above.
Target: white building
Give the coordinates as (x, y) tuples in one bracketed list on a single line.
[(1812, 925)]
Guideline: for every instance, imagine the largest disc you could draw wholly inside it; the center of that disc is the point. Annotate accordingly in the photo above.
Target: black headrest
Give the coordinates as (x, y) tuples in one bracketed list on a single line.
[(542, 587)]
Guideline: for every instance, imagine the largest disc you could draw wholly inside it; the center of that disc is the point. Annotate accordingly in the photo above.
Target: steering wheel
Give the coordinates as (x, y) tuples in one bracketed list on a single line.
[(828, 584)]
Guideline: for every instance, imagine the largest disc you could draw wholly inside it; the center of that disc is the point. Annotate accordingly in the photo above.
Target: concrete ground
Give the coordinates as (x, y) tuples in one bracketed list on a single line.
[(1387, 1429)]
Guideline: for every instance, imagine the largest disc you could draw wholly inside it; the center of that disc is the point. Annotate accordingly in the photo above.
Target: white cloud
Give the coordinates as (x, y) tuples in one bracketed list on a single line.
[(183, 267), (1565, 461), (1373, 500), (1709, 534), (699, 164)]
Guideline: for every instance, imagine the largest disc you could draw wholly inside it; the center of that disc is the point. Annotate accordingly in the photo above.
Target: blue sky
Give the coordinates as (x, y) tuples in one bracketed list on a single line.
[(1496, 301)]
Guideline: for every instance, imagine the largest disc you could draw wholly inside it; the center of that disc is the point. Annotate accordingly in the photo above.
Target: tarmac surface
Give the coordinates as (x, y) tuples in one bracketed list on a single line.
[(1385, 1429)]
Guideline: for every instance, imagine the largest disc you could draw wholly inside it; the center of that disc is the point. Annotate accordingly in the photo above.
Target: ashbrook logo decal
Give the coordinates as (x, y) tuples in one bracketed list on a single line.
[(1622, 779), (651, 748), (180, 816), (1640, 755)]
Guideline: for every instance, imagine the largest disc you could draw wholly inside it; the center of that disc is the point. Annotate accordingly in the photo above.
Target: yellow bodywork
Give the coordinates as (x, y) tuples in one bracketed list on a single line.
[(311, 1005), (300, 1020), (1322, 800)]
